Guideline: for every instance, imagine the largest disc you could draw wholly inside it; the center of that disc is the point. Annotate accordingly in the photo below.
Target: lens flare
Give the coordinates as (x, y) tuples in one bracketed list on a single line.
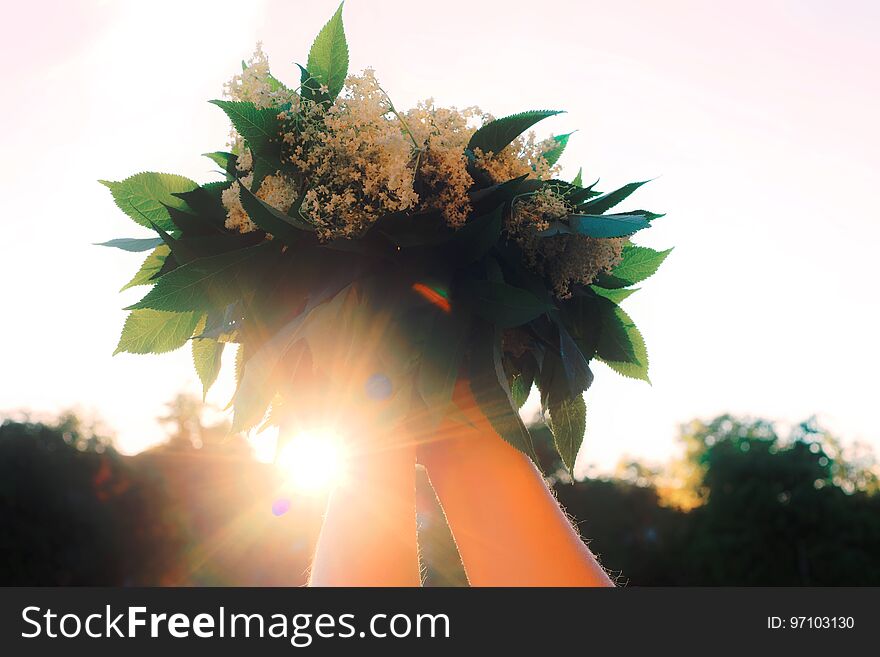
[(378, 387), (313, 462), (438, 296), (280, 506)]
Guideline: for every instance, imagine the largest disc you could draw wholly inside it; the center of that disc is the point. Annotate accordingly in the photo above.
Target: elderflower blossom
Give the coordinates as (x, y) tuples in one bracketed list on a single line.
[(357, 159), (523, 157), (255, 84), (564, 259), (443, 135), (360, 159), (277, 191)]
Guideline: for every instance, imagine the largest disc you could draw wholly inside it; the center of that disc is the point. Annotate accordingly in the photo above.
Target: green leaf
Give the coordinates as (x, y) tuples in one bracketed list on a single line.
[(637, 263), (149, 331), (182, 251), (270, 219), (477, 236), (575, 368), (568, 422), (224, 325), (489, 198), (581, 194), (579, 178), (497, 134), (150, 268), (257, 384), (191, 224), (438, 368), (221, 158), (224, 160), (489, 386), (581, 317), (206, 201), (504, 305), (277, 85), (605, 226), (263, 167), (259, 126), (308, 86), (621, 345), (133, 244), (647, 214), (525, 368), (552, 156), (607, 201), (614, 296), (143, 196), (520, 389), (328, 58), (255, 376), (207, 354), (203, 284)]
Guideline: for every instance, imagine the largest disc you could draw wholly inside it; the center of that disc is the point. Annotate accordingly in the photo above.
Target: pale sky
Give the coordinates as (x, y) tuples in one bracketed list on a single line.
[(760, 119)]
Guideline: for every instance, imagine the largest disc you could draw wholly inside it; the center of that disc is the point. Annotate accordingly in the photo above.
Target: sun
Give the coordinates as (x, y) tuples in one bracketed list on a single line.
[(312, 462)]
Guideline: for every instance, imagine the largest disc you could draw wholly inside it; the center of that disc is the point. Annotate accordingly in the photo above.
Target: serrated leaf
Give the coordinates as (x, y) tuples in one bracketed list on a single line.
[(328, 57), (332, 330), (206, 201), (489, 386), (636, 264), (616, 295), (440, 361), (182, 251), (607, 201), (581, 317), (221, 158), (477, 236), (561, 141), (575, 367), (207, 354), (489, 198), (277, 85), (581, 194), (606, 226), (143, 196), (621, 345), (191, 224), (647, 214), (202, 284), (260, 127), (551, 381), (150, 267), (579, 178), (254, 395), (526, 367), (270, 219), (504, 305), (568, 422), (254, 377), (223, 325), (149, 331), (520, 390), (226, 161), (497, 134), (133, 244)]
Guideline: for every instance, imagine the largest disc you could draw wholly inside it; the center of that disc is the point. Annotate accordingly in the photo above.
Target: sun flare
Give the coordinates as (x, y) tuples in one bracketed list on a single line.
[(312, 462)]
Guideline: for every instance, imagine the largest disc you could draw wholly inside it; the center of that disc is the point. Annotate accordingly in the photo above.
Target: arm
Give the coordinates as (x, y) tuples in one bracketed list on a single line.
[(509, 529), (369, 532)]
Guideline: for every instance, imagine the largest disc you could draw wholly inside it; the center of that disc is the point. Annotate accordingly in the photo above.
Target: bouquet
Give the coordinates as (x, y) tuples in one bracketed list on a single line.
[(361, 256)]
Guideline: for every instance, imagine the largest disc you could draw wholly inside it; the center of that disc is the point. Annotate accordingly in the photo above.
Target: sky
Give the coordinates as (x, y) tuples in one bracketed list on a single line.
[(758, 118)]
